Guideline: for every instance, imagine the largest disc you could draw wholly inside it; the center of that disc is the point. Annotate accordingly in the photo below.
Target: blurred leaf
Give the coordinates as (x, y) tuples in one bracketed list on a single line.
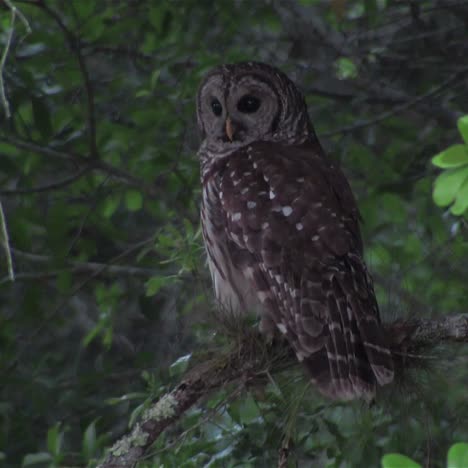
[(154, 284), (55, 440), (248, 410), (180, 366), (89, 441), (461, 202), (345, 68), (463, 127), (133, 200), (448, 184), (37, 459), (457, 456), (111, 204), (454, 156), (395, 460), (154, 78)]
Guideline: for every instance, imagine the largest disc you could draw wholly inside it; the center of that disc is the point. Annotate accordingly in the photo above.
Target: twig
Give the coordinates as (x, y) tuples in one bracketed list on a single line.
[(14, 13), (81, 160), (4, 240), (6, 50), (397, 109), (250, 362), (49, 187), (76, 267), (62, 304), (74, 44)]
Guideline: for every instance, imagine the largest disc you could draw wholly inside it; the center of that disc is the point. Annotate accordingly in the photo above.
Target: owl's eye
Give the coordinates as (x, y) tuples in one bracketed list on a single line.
[(248, 104), (216, 107)]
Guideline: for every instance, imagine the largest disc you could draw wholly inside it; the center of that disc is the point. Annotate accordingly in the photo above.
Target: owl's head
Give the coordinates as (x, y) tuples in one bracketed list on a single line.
[(241, 103)]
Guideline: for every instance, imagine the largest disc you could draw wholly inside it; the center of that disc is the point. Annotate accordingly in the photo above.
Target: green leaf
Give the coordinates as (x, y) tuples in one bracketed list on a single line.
[(457, 456), (155, 78), (36, 459), (345, 68), (180, 366), (133, 200), (447, 185), (54, 440), (248, 410), (463, 127), (455, 156), (154, 284), (111, 204), (461, 202), (395, 460), (89, 441)]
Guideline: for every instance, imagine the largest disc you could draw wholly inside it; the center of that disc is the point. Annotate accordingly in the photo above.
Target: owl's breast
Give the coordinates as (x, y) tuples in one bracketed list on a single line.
[(229, 265)]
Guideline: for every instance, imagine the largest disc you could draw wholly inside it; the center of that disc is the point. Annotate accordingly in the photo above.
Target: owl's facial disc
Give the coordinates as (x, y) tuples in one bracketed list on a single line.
[(238, 112)]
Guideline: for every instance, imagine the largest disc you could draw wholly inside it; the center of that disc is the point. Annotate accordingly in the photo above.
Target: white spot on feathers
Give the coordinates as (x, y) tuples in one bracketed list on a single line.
[(251, 205), (287, 210), (237, 216), (282, 328), (249, 272), (299, 226), (300, 356), (262, 296), (272, 195), (315, 238), (265, 225)]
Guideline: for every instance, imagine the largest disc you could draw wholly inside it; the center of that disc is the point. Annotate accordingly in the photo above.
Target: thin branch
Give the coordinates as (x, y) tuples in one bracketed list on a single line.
[(6, 50), (249, 362), (76, 267), (65, 300), (405, 106), (75, 45), (80, 160), (49, 187), (14, 13), (4, 240)]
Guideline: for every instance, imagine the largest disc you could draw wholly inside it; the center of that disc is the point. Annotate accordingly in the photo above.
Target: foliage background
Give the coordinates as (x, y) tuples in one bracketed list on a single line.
[(99, 183)]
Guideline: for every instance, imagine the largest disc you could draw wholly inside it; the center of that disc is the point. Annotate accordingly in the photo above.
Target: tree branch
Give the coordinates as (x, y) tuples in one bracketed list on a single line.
[(49, 187), (75, 46), (76, 267), (81, 161), (459, 75), (249, 361)]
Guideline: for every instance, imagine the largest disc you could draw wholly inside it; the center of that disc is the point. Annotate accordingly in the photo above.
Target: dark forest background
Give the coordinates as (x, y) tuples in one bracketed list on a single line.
[(99, 185)]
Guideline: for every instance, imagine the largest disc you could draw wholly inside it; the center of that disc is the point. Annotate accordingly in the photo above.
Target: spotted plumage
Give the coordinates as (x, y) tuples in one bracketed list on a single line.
[(281, 229)]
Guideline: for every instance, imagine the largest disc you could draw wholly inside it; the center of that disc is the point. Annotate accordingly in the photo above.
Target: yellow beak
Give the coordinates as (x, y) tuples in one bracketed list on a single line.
[(229, 129)]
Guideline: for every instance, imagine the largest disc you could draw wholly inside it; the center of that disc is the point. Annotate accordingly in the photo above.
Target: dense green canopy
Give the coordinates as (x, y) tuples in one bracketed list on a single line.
[(99, 185)]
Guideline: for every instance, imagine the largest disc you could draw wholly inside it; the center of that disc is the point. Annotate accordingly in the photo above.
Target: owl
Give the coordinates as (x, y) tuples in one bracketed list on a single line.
[(281, 230)]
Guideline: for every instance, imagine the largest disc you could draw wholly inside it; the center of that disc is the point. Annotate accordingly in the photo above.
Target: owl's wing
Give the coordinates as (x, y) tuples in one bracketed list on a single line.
[(291, 216)]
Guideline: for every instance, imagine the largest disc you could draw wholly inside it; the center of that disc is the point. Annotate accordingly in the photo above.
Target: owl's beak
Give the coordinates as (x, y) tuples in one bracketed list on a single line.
[(229, 129)]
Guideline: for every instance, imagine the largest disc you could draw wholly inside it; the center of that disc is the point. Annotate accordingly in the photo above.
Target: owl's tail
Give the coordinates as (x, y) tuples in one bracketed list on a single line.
[(350, 357)]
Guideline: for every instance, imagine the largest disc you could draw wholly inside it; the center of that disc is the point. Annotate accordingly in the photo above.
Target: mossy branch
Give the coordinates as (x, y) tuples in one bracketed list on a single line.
[(251, 360)]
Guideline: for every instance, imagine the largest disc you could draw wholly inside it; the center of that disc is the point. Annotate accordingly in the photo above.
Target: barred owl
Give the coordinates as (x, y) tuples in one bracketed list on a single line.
[(281, 229)]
